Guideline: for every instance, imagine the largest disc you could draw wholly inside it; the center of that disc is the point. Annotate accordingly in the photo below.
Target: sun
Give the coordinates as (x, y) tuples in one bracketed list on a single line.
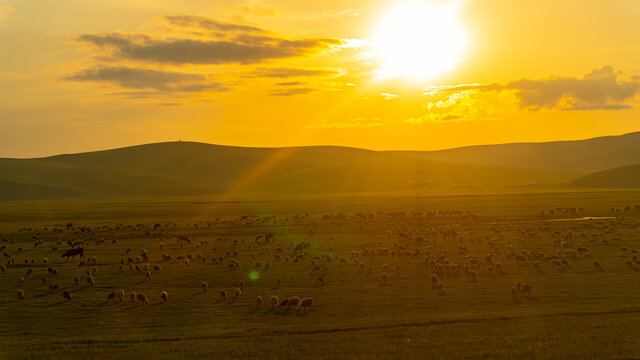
[(419, 40)]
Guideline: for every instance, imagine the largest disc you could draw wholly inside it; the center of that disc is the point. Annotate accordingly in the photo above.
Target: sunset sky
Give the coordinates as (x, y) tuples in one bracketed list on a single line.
[(78, 75)]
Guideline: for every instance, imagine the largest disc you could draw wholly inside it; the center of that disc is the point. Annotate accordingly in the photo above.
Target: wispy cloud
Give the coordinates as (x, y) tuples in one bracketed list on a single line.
[(291, 92), (133, 78), (5, 11)]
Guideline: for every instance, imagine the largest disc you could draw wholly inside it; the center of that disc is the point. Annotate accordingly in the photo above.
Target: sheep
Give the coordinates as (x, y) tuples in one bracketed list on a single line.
[(305, 304), (435, 280), (157, 267), (223, 293), (472, 275), (77, 280), (111, 296), (20, 294), (440, 289), (133, 296), (21, 282), (293, 303), (320, 281), (274, 301), (141, 298), (258, 302), (518, 286), (283, 304), (44, 281), (148, 275), (598, 265), (66, 295), (3, 268), (527, 290), (164, 296), (53, 287), (120, 295), (204, 286), (45, 261), (90, 281), (29, 271), (236, 294)]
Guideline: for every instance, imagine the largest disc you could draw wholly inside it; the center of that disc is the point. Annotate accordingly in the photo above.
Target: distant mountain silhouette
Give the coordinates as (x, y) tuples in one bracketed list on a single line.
[(620, 177), (189, 168), (593, 154)]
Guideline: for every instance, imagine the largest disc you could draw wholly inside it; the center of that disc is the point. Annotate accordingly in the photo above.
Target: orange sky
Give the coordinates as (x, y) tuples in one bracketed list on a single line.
[(80, 75)]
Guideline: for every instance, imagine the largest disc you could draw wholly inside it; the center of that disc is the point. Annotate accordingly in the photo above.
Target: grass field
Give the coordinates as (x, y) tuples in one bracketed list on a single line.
[(577, 310)]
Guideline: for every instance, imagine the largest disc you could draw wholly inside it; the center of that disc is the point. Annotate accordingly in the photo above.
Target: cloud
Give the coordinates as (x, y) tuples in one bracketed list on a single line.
[(289, 72), (204, 22), (290, 83), (601, 89), (359, 122), (224, 43), (291, 92), (134, 78), (388, 96)]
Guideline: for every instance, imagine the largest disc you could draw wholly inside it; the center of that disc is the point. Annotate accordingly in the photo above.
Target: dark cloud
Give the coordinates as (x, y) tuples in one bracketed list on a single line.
[(291, 92), (288, 72), (242, 48), (601, 89), (133, 78), (290, 83)]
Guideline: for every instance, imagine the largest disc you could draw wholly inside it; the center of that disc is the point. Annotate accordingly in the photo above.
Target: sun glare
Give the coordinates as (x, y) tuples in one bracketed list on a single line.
[(419, 40)]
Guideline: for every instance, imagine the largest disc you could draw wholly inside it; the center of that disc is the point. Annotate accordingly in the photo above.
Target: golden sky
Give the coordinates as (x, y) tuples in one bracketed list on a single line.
[(79, 75)]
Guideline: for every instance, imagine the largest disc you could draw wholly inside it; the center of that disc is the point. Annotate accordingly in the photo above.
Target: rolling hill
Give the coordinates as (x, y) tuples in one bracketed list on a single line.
[(189, 168), (592, 154), (620, 177)]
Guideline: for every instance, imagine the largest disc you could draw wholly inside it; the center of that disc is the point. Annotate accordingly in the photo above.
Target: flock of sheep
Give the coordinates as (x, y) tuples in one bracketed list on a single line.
[(443, 248)]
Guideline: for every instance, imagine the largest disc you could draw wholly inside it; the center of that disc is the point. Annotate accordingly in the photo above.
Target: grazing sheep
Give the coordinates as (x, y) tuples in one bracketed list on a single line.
[(44, 280), (305, 304), (120, 295), (164, 296), (293, 303), (274, 301), (527, 290), (29, 271), (204, 286), (90, 281), (20, 294), (111, 296), (3, 268), (223, 293), (133, 296), (148, 275), (66, 295), (53, 287), (21, 282), (77, 280), (258, 302), (283, 304), (157, 268), (236, 294), (141, 298)]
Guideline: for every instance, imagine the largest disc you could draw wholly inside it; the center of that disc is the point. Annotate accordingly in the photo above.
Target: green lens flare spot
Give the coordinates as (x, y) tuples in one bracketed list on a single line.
[(254, 275)]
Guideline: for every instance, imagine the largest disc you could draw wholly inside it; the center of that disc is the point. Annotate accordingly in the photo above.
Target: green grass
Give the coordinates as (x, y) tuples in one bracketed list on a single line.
[(580, 312)]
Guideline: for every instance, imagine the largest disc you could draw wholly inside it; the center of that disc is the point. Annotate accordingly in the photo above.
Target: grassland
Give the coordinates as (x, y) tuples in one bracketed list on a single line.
[(577, 310)]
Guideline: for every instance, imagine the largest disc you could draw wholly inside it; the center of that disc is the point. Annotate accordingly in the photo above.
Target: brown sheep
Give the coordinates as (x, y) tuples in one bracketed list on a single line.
[(20, 294), (142, 298), (236, 294), (293, 303), (111, 296), (204, 286), (133, 296), (77, 280), (305, 304), (274, 301), (258, 302), (527, 290), (223, 293), (66, 295), (283, 304), (164, 296), (90, 281)]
